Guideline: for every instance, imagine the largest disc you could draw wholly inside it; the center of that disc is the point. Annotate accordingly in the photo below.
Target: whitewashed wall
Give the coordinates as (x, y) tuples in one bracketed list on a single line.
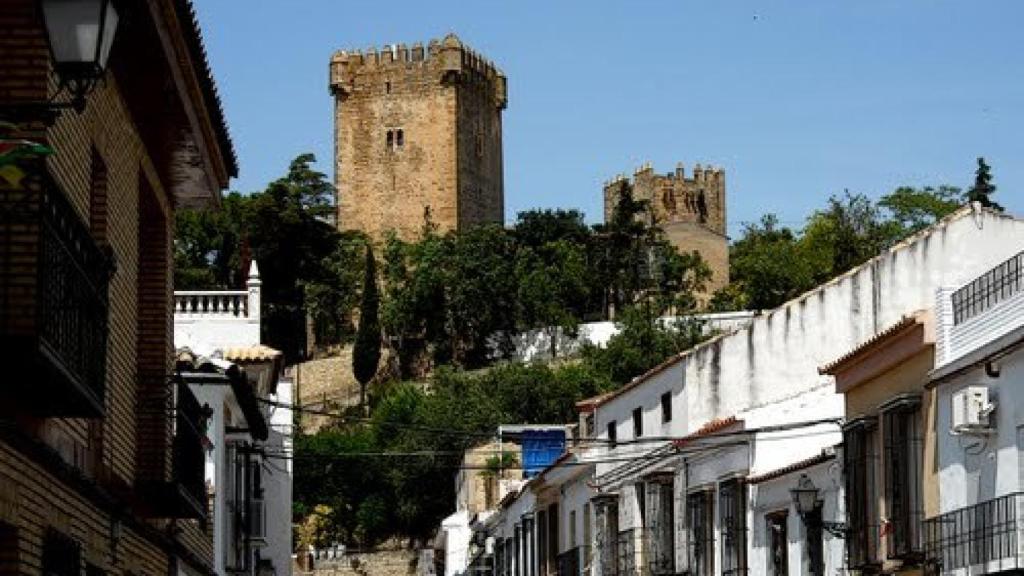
[(535, 345), (975, 468), (772, 496), (776, 357)]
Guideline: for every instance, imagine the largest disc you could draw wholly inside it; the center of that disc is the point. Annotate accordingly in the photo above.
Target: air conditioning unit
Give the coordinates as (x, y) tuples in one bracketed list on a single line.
[(971, 410)]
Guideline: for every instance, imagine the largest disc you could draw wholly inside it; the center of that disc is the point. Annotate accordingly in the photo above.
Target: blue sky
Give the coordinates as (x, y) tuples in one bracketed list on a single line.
[(796, 100)]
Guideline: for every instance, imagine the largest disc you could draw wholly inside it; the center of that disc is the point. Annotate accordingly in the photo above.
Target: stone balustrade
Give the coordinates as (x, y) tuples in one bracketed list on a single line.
[(207, 303), (214, 319)]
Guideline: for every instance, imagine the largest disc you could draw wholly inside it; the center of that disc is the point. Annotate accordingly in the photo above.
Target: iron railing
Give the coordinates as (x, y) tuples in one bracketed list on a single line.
[(53, 295), (989, 289), (189, 460), (985, 536)]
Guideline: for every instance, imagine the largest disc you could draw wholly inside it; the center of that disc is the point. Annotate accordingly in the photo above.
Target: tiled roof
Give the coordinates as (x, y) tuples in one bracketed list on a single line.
[(194, 39), (903, 323), (256, 353), (708, 429), (825, 456)]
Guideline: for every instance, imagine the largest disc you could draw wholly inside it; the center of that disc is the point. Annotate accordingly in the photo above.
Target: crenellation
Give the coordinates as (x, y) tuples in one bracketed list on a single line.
[(691, 211), (445, 102)]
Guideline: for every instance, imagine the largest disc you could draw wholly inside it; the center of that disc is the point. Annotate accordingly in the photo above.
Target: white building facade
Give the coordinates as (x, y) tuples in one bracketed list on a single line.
[(243, 384), (694, 463), (979, 382)]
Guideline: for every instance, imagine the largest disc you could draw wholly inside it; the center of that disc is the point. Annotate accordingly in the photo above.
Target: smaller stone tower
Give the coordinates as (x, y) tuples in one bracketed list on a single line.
[(691, 211), (417, 135)]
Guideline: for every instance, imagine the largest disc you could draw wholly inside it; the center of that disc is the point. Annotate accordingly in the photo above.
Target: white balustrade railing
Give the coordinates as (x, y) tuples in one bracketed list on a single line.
[(208, 303)]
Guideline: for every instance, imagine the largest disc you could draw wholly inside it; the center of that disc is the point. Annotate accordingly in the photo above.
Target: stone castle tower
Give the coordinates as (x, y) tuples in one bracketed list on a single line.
[(691, 211), (417, 135)]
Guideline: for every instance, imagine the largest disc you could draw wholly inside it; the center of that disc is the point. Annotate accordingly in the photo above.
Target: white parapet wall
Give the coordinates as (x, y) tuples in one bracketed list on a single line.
[(535, 345), (208, 320)]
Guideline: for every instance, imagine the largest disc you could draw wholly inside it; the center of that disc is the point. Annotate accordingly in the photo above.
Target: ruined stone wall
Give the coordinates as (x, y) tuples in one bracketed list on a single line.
[(691, 211), (417, 132)]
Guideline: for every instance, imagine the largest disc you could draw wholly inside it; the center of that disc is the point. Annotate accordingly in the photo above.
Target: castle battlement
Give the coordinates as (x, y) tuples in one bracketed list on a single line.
[(708, 175), (439, 59), (691, 211)]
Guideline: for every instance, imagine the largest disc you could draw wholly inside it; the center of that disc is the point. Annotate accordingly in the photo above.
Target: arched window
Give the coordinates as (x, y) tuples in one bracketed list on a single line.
[(399, 138), (391, 139)]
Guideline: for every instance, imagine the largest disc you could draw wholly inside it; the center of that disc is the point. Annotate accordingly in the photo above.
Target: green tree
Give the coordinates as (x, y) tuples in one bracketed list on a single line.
[(768, 266), (552, 289), (642, 342), (366, 353), (983, 188), (913, 209), (332, 296)]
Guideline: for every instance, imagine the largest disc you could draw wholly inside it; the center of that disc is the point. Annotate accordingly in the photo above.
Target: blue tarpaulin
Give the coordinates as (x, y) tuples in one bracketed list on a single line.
[(540, 449)]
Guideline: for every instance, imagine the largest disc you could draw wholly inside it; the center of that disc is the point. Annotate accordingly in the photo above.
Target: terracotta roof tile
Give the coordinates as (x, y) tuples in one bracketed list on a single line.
[(825, 456), (903, 323), (256, 353), (708, 429)]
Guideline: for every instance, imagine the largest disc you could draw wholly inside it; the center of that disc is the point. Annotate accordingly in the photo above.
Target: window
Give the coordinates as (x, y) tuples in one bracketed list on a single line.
[(814, 543), (901, 437), (542, 542), (399, 138), (553, 545), (572, 529), (638, 422), (860, 464), (778, 543), (640, 490), (700, 526), (387, 87), (588, 425), (660, 521), (612, 434), (61, 555), (8, 549), (666, 407), (732, 500), (390, 140)]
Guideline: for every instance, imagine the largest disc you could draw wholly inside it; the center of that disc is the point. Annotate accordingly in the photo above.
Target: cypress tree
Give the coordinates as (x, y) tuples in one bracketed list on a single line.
[(366, 353), (983, 188)]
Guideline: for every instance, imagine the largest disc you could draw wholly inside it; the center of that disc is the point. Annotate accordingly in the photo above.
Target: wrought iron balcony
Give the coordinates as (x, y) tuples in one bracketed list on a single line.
[(53, 303), (184, 496), (984, 538)]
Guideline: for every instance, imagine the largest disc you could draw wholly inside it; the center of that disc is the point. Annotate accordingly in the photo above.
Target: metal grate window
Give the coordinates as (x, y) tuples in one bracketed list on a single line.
[(859, 468), (700, 524), (732, 502), (901, 433), (989, 289)]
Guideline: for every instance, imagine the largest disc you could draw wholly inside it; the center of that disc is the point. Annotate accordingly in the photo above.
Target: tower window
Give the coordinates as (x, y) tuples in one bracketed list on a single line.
[(395, 139), (387, 87)]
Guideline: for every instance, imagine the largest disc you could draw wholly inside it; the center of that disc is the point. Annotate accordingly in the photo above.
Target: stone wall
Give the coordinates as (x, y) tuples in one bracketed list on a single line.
[(379, 563), (417, 133), (325, 383), (691, 211)]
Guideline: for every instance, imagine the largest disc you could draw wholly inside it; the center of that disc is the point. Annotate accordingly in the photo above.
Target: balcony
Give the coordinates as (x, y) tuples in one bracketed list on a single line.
[(981, 539), (53, 303), (184, 496)]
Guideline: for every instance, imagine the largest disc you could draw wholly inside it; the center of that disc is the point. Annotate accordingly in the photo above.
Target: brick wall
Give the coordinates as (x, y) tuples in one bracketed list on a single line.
[(102, 166)]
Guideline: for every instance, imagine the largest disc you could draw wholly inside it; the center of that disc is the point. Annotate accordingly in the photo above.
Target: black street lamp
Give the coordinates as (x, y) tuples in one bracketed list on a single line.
[(805, 499), (80, 34)]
